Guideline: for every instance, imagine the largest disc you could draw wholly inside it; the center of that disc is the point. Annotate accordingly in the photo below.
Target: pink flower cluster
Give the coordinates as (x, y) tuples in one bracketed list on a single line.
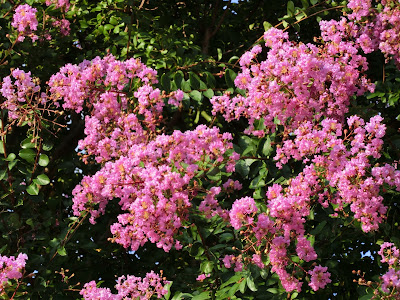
[(149, 173), (11, 268), (346, 168), (153, 182), (391, 279), (18, 89), (63, 4), (25, 22), (319, 277), (296, 83), (370, 27), (113, 126), (128, 288), (230, 260), (242, 212), (338, 171), (63, 24)]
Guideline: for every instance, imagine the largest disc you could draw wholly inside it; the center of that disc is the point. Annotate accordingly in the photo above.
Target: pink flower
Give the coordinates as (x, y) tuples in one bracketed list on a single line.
[(24, 20), (319, 277), (202, 277), (242, 212)]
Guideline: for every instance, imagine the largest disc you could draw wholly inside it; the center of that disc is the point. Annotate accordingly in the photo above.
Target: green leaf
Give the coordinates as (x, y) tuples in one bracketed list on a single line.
[(202, 296), (251, 284), (319, 228), (47, 146), (1, 147), (177, 296), (233, 290), (197, 249), (290, 8), (107, 27), (114, 21), (42, 179), (257, 182), (230, 78), (196, 95), (166, 83), (209, 93), (33, 189), (62, 251), (242, 286), (194, 81), (11, 157), (28, 154), (3, 173), (242, 168), (226, 237), (27, 143), (267, 148), (211, 82), (186, 87), (219, 51), (267, 25), (178, 78), (43, 160), (206, 266)]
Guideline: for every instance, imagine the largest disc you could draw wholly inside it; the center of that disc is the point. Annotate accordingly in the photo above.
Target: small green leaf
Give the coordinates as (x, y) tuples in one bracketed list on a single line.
[(196, 95), (206, 267), (194, 81), (42, 179), (230, 78), (11, 157), (202, 296), (28, 154), (267, 25), (43, 160), (219, 51), (290, 8), (178, 78), (3, 173), (226, 237), (242, 168), (197, 249), (267, 148), (47, 146), (210, 80), (273, 290), (33, 189), (30, 222), (251, 284), (186, 87), (107, 27), (209, 93), (242, 286), (305, 4), (27, 143), (62, 251), (166, 83)]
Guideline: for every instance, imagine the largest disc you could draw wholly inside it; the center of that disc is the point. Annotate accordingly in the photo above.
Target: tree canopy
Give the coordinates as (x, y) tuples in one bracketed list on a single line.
[(199, 149)]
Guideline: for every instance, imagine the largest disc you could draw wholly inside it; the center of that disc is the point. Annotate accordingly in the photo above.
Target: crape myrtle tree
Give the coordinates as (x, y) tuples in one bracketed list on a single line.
[(199, 149)]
